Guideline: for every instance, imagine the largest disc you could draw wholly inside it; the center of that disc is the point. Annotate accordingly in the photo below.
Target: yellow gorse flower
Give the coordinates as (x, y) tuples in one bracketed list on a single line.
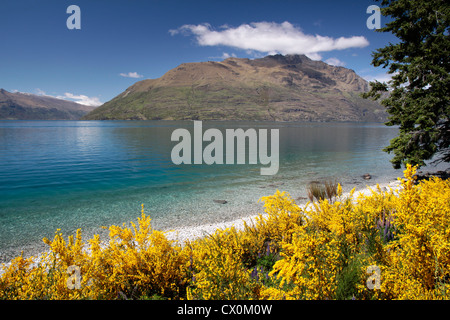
[(319, 251)]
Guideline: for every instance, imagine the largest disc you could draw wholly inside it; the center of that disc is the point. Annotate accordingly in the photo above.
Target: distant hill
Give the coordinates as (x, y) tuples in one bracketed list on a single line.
[(26, 106), (279, 88)]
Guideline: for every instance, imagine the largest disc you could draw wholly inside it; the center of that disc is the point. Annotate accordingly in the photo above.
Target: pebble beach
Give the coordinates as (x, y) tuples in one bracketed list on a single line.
[(194, 230), (182, 234)]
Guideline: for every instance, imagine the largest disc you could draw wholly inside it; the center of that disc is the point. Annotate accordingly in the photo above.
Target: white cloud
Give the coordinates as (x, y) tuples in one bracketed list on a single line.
[(335, 62), (270, 37), (40, 92), (131, 75), (381, 77), (226, 55), (81, 99)]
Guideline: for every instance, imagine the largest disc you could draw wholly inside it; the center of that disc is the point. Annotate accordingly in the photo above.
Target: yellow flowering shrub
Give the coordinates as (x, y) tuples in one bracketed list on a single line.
[(218, 270), (418, 262), (391, 244), (265, 234), (137, 262), (310, 263)]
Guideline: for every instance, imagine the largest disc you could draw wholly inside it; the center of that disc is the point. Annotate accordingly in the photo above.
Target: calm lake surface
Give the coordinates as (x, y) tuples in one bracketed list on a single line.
[(88, 174)]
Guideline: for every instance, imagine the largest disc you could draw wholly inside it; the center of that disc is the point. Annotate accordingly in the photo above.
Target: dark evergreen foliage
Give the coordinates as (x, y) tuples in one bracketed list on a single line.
[(417, 98)]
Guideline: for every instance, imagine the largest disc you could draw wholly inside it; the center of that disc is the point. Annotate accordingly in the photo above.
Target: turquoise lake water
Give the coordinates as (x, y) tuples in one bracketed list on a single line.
[(88, 174)]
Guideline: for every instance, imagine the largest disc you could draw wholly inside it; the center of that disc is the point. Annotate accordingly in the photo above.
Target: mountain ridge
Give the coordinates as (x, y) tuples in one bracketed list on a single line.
[(275, 88), (27, 106)]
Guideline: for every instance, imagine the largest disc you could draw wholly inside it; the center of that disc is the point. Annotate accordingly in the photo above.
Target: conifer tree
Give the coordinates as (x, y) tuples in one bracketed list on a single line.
[(417, 97)]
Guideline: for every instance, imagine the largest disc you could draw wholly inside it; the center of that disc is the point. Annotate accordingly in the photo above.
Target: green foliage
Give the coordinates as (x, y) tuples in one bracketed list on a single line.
[(418, 95), (348, 279)]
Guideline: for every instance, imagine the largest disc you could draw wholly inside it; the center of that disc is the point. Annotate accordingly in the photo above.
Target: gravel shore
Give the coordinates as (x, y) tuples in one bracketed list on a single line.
[(192, 232)]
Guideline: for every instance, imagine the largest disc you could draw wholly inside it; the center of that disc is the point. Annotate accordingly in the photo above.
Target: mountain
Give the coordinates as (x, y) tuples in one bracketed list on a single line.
[(279, 88), (26, 106)]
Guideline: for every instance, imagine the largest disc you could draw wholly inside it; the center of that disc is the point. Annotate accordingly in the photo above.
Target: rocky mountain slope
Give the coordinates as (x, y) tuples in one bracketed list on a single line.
[(25, 106), (275, 88)]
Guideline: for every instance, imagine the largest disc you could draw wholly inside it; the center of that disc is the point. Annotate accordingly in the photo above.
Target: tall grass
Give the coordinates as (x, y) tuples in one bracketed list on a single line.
[(320, 191)]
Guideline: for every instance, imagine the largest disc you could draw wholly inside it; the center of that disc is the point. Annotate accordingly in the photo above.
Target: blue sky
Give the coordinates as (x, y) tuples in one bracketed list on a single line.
[(121, 42)]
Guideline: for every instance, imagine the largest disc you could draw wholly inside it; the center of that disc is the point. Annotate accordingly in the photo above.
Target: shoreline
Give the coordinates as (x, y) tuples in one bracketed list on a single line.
[(182, 234), (192, 232)]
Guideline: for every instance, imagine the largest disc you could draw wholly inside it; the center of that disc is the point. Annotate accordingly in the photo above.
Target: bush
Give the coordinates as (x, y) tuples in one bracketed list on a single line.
[(320, 251)]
